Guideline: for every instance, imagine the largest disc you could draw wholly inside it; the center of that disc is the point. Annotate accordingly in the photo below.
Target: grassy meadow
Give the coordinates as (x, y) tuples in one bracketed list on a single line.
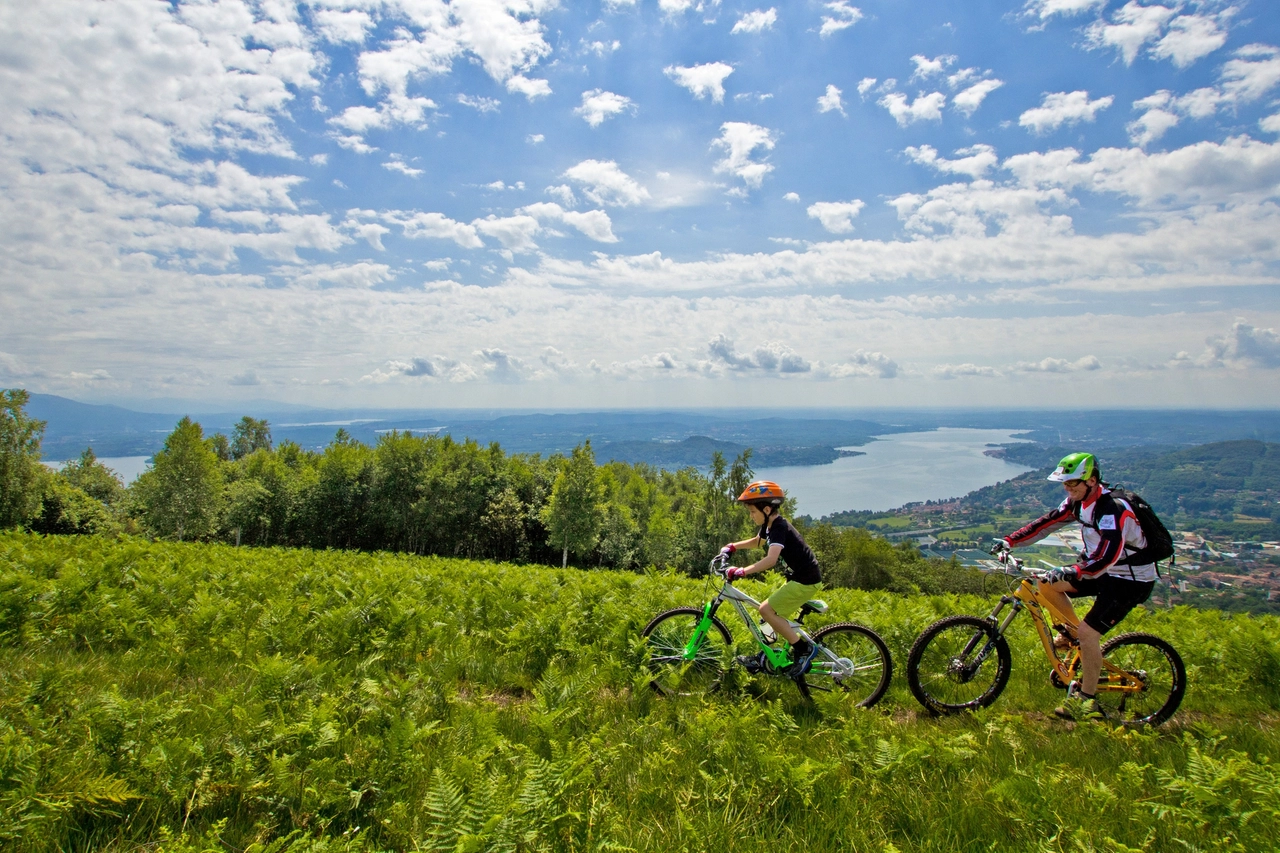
[(179, 697)]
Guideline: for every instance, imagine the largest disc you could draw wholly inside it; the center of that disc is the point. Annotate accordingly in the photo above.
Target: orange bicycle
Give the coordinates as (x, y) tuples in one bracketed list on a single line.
[(962, 662)]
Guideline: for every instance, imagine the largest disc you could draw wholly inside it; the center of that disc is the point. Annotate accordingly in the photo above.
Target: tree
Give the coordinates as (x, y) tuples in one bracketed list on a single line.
[(93, 478), (574, 513), (250, 435), (180, 495), (20, 470)]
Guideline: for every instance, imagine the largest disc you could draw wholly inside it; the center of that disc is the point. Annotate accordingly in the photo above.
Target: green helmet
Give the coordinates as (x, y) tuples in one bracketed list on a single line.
[(1074, 466)]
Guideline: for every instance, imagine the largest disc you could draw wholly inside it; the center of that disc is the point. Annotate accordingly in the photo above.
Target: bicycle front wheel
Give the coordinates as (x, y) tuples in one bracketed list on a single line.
[(852, 661), (671, 671), (958, 663), (1148, 682)]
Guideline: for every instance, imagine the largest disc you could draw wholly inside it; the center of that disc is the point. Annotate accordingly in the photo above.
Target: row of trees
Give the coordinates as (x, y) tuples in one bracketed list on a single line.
[(425, 495)]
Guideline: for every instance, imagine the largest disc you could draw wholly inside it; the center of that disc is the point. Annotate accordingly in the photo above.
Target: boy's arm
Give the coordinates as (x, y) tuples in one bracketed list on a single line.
[(766, 562), (745, 543)]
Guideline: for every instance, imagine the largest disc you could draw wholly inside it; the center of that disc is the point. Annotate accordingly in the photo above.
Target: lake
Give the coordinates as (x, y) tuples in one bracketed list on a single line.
[(898, 469), (126, 467)]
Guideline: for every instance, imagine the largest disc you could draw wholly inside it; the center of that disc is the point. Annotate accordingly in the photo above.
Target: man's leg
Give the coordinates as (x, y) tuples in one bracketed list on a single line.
[(1090, 658)]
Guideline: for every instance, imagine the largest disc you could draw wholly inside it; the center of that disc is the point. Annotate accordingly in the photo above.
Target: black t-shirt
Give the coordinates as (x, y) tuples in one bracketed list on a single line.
[(801, 565)]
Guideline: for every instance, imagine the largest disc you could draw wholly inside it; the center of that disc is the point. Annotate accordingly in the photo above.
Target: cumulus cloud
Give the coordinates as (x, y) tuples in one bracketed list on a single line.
[(923, 108), (739, 140), (1045, 9), (499, 366), (863, 363), (969, 99), (515, 233), (768, 357), (604, 183), (397, 164), (343, 26), (974, 161), (436, 367), (968, 369), (926, 67), (1180, 38), (1059, 365), (598, 105), (594, 224), (531, 89), (836, 216), (418, 225), (702, 80), (842, 17), (1061, 108), (1243, 346), (757, 21), (360, 275), (831, 101)]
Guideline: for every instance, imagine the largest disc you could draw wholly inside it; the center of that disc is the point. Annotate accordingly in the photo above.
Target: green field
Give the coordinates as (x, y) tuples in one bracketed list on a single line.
[(176, 697)]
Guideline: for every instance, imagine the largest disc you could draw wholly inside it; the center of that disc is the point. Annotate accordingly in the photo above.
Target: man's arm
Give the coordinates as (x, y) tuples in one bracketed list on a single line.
[(1042, 526)]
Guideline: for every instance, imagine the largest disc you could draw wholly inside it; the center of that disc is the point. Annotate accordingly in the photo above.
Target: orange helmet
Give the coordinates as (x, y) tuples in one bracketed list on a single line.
[(762, 492)]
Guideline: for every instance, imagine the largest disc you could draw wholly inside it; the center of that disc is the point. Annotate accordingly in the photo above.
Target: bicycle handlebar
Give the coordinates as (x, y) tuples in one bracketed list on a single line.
[(719, 565)]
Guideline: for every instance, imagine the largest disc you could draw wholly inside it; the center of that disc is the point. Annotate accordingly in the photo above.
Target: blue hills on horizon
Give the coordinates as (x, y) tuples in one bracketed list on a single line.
[(672, 438)]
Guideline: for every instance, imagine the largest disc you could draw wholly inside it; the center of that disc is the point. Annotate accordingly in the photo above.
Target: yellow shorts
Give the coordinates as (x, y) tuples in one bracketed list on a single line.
[(788, 598)]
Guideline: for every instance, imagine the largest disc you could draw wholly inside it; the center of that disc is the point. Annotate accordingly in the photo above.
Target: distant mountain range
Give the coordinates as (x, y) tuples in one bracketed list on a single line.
[(663, 438)]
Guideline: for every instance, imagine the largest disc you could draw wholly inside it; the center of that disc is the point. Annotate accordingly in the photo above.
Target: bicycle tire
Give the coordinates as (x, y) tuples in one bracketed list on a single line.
[(863, 671), (1162, 672), (665, 638), (940, 669)]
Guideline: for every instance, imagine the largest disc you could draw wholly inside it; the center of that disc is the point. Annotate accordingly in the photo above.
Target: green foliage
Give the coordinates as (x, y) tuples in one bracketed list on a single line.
[(93, 478), (248, 436), (199, 697), (575, 512), (180, 496), (20, 470)]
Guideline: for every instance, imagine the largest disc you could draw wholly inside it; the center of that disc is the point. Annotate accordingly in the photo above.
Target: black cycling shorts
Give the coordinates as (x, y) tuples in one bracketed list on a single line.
[(1115, 598)]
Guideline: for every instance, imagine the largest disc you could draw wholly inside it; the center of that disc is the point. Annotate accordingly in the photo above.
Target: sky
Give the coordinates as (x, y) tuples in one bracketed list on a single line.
[(655, 203)]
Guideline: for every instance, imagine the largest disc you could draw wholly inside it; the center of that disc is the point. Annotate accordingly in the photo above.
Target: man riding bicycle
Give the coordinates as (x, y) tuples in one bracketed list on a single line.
[(1111, 533), (763, 499)]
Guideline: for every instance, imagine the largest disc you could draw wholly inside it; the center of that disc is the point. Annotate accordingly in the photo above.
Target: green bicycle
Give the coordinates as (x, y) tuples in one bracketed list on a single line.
[(689, 650)]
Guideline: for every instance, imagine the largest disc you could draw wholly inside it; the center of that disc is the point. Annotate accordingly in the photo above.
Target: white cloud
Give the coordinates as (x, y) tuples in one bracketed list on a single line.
[(792, 197), (481, 104), (739, 140), (974, 161), (531, 89), (604, 183), (836, 216), (397, 164), (831, 100), (926, 67), (1253, 73), (600, 48), (598, 105), (564, 194), (768, 357), (1271, 124), (1189, 38), (594, 224), (923, 108), (757, 21), (1059, 365), (1132, 27), (863, 363), (842, 17), (1061, 108), (968, 369), (339, 26), (1045, 9), (702, 80), (360, 275), (535, 139), (1154, 121), (515, 233), (968, 100), (499, 366), (436, 226), (1243, 346)]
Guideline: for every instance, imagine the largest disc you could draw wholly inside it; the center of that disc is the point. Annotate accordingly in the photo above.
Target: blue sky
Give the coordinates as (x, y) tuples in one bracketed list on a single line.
[(540, 204)]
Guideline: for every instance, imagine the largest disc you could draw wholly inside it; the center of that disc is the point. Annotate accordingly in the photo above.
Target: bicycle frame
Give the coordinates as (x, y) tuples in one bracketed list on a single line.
[(740, 600), (1028, 597)]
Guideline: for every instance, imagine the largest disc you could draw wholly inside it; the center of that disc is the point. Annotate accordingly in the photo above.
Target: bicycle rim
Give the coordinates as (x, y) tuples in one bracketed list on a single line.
[(1147, 661), (853, 663), (666, 638), (958, 663)]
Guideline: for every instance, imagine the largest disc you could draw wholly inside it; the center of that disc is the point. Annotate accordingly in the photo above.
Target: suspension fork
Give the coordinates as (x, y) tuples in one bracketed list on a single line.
[(700, 630), (1014, 605)]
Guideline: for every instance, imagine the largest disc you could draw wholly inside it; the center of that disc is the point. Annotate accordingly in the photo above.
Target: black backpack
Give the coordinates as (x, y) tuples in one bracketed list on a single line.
[(1159, 541)]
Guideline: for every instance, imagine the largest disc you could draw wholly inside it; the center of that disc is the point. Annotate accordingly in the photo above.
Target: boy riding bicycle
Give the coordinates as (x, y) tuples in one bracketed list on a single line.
[(1111, 534), (763, 499)]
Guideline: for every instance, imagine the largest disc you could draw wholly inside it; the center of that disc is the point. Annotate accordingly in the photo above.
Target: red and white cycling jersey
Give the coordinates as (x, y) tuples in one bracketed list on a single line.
[(1110, 532)]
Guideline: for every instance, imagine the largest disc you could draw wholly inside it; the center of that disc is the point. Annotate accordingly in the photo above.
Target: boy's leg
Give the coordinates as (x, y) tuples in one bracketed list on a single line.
[(780, 625)]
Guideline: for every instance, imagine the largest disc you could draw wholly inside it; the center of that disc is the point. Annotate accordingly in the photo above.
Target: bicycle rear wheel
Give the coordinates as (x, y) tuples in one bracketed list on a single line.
[(1151, 682), (855, 664), (958, 663), (666, 637)]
